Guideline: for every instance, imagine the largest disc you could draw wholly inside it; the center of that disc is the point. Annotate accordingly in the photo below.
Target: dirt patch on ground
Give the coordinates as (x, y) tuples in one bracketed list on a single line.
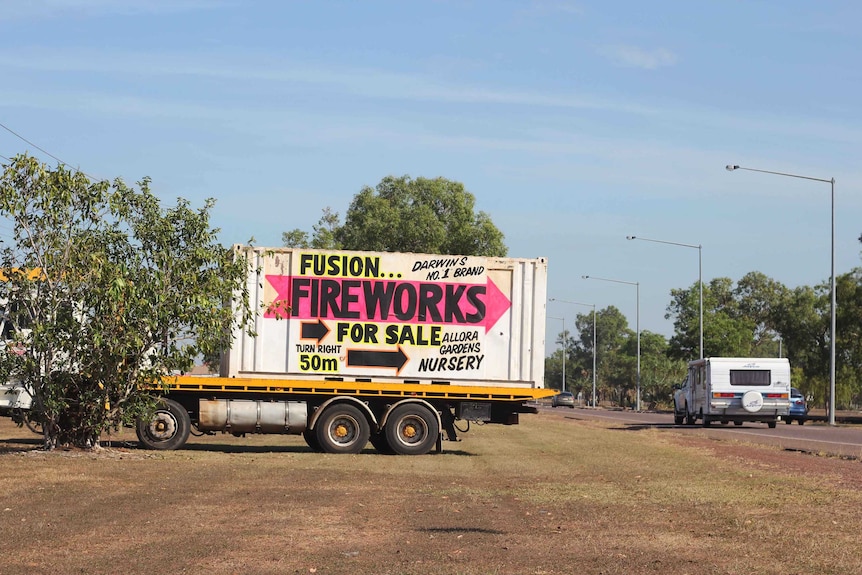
[(841, 471)]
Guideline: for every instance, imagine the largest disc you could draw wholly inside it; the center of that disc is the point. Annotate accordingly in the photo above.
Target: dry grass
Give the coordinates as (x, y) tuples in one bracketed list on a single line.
[(550, 496)]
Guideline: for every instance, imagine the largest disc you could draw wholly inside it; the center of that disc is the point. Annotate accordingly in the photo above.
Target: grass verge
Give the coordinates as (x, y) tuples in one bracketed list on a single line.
[(550, 496)]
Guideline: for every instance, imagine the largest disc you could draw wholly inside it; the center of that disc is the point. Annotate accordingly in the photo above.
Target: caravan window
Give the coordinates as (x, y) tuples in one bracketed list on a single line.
[(750, 377)]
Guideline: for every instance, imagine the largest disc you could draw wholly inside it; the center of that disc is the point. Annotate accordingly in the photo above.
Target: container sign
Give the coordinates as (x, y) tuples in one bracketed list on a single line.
[(407, 315)]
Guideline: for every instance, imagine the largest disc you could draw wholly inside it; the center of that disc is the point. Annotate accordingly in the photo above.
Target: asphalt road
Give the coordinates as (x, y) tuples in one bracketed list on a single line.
[(814, 437)]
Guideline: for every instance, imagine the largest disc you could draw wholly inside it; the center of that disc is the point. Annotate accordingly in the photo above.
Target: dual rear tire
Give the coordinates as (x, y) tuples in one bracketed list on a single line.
[(342, 428), (410, 429)]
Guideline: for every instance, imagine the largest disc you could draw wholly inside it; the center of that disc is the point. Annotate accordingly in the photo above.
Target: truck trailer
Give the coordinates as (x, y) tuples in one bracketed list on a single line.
[(353, 347)]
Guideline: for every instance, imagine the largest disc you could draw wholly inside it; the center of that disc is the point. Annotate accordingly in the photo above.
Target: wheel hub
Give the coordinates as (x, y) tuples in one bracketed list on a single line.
[(163, 428)]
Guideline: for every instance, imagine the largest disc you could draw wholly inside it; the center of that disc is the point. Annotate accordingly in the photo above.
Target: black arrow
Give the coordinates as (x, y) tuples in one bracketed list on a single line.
[(312, 330), (365, 358)]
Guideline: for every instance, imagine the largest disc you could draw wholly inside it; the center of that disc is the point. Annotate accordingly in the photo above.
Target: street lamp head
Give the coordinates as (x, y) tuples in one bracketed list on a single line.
[(731, 167), (631, 237), (585, 277)]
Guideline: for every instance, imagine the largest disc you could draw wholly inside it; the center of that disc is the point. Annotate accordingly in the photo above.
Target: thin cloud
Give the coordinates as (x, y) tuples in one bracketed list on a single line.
[(557, 6), (635, 57), (392, 86), (47, 9), (366, 82)]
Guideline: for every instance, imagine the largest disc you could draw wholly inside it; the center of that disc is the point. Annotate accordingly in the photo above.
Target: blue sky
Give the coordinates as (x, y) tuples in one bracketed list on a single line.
[(574, 122)]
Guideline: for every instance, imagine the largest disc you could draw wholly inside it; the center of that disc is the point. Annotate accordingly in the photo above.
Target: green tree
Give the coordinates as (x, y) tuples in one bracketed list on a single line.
[(554, 367), (758, 296), (124, 292), (323, 236), (659, 372), (801, 317), (325, 231), (295, 238), (406, 215), (615, 372), (616, 360), (848, 342), (727, 330)]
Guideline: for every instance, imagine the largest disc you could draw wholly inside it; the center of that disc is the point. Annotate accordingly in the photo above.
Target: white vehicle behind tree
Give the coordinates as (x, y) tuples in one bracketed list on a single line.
[(736, 389), (16, 399)]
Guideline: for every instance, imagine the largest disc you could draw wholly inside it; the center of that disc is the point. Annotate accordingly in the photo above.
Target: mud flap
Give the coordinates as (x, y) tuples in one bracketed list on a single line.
[(448, 421)]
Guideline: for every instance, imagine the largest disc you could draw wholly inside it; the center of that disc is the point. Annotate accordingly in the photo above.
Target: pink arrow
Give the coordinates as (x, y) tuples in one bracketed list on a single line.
[(282, 288), (496, 304)]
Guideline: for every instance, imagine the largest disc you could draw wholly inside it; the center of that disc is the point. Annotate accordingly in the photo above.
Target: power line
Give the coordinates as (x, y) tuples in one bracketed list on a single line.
[(61, 162), (4, 229), (20, 137)]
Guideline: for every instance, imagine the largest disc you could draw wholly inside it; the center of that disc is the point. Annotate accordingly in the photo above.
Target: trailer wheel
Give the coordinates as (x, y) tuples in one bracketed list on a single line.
[(412, 429), (169, 427), (310, 437), (342, 429), (378, 440)]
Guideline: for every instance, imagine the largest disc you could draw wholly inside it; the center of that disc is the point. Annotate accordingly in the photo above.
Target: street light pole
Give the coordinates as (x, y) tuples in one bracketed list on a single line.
[(565, 350), (832, 334), (637, 324), (594, 338), (699, 274)]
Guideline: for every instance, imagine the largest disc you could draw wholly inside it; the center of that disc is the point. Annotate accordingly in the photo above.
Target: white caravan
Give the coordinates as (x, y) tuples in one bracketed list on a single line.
[(15, 398), (736, 389)]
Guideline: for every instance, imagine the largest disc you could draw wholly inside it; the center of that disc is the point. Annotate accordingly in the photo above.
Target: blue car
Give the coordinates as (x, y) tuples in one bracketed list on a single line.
[(798, 407)]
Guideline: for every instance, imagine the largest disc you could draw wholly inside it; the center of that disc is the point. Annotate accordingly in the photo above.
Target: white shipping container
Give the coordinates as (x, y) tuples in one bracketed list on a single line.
[(399, 317)]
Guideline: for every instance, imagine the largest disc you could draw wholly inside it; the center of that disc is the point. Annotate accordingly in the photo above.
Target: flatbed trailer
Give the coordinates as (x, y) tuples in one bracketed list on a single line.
[(332, 416), (352, 347)]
